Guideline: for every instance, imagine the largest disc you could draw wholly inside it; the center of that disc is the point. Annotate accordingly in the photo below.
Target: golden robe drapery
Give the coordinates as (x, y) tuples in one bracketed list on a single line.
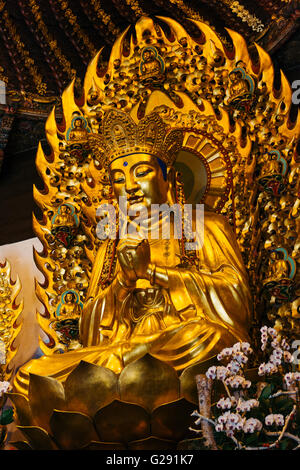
[(189, 320)]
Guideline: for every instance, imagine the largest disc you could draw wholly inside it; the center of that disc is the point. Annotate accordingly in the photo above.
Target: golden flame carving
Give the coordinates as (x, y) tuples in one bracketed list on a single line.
[(10, 317)]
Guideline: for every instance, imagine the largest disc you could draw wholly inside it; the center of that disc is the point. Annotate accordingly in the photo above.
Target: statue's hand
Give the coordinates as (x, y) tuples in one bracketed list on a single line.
[(141, 259), (134, 258)]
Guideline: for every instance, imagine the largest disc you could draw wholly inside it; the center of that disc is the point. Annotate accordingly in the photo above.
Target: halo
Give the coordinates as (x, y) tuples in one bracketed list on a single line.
[(205, 169)]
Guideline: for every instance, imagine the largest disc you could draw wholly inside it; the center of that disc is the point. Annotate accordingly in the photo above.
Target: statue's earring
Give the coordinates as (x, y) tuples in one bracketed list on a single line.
[(110, 259), (180, 200), (179, 192), (187, 257), (112, 200)]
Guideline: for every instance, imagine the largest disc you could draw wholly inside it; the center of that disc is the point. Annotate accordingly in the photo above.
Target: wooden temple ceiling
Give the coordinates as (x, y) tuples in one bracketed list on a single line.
[(44, 44)]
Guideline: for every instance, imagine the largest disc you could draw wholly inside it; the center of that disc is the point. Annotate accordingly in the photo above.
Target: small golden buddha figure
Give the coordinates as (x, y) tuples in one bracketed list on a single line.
[(63, 217), (69, 307), (78, 132), (271, 165), (239, 87), (151, 67), (278, 268), (148, 293)]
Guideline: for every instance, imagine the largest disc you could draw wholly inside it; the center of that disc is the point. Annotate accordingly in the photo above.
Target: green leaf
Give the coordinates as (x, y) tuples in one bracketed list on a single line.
[(265, 405), (7, 416), (283, 405), (267, 391), (284, 443), (251, 440), (227, 446)]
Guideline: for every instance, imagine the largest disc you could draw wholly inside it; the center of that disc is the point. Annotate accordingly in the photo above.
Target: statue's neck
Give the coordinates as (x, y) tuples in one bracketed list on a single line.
[(153, 227)]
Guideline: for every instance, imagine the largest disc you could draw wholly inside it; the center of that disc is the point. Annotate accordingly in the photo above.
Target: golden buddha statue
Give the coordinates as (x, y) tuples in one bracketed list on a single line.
[(63, 217), (278, 268), (69, 307), (239, 88), (152, 66), (149, 293), (270, 166), (78, 131)]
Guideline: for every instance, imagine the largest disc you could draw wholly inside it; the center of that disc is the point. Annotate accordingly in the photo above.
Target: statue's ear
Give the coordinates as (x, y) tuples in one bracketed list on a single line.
[(171, 176)]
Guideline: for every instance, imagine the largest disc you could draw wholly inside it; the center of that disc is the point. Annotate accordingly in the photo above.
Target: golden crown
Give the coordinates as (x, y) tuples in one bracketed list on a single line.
[(119, 136)]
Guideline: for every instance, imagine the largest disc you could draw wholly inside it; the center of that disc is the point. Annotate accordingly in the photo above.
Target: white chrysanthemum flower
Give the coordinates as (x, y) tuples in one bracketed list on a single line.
[(252, 425), (285, 345), (272, 332), (262, 369), (275, 360), (241, 358), (236, 347), (224, 403), (222, 373), (289, 378), (246, 405), (271, 368), (278, 352), (219, 427), (275, 343), (246, 348), (292, 377), (224, 353), (233, 367), (246, 384), (238, 381), (297, 376), (211, 372), (4, 387), (277, 419)]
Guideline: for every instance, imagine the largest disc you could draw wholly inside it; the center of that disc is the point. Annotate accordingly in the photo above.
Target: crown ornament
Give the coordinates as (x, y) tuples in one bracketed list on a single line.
[(120, 136)]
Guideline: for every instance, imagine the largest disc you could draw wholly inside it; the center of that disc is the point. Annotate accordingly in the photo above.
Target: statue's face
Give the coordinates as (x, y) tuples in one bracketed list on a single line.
[(147, 55), (78, 123), (139, 178), (64, 210), (69, 297)]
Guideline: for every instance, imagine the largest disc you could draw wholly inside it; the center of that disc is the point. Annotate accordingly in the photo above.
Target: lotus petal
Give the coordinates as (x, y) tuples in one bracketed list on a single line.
[(21, 445), (97, 445), (152, 443), (149, 383), (172, 421), (45, 394), (22, 407), (72, 430), (90, 387), (191, 444), (38, 438), (122, 422), (188, 386)]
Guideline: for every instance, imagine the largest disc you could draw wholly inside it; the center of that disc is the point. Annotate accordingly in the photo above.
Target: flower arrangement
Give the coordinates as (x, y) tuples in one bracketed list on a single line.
[(257, 414)]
